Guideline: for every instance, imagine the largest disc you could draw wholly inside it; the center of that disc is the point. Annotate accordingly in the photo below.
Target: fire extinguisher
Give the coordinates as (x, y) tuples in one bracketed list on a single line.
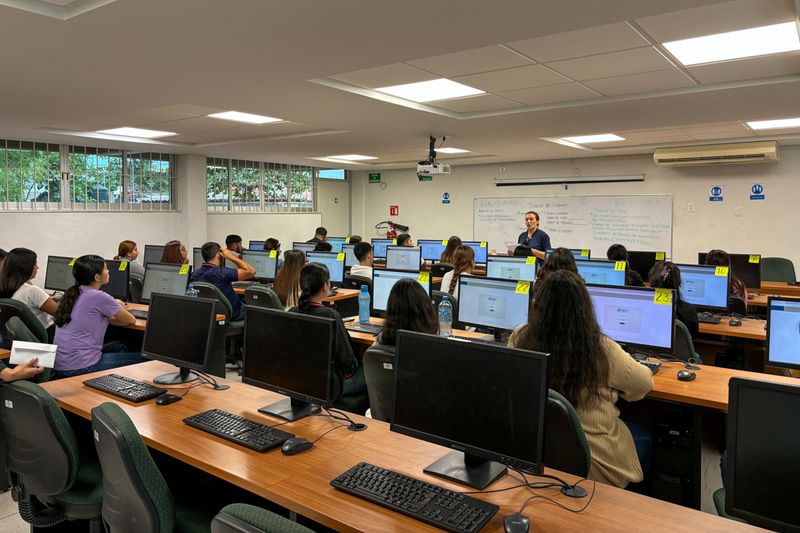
[(391, 228)]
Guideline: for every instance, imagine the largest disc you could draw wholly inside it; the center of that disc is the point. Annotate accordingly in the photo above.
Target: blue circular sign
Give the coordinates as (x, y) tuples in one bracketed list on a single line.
[(445, 196), (757, 188), (716, 191)]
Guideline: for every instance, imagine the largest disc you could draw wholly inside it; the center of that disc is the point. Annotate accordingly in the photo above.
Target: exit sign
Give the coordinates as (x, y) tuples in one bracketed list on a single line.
[(374, 177), (425, 178)]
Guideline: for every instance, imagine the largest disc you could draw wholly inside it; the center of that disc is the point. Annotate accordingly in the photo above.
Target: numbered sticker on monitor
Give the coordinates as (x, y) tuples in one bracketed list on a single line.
[(273, 254), (72, 263), (523, 287), (347, 240), (721, 271), (444, 242), (531, 260), (424, 277), (483, 244), (620, 265), (584, 253), (184, 270), (340, 257), (123, 265), (394, 241), (660, 256), (755, 259), (663, 296)]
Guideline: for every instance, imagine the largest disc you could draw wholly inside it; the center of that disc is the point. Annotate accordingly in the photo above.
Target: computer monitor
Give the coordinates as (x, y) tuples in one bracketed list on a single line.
[(152, 254), (275, 359), (432, 249), (705, 286), (336, 243), (255, 245), (746, 267), (511, 267), (642, 262), (580, 254), (167, 278), (635, 316), (487, 402), (264, 261), (783, 332), (602, 272), (59, 273), (350, 258), (197, 258), (379, 247), (763, 443), (481, 249), (304, 247), (179, 331), (404, 258), (383, 279), (333, 260), (499, 304), (118, 276)]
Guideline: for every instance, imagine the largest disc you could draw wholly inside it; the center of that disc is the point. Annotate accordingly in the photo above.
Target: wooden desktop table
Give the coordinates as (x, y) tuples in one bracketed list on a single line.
[(366, 339), (779, 288), (301, 483), (5, 354), (751, 328), (341, 294)]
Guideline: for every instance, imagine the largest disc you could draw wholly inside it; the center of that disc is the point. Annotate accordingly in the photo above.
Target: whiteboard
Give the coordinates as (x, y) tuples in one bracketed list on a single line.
[(639, 222)]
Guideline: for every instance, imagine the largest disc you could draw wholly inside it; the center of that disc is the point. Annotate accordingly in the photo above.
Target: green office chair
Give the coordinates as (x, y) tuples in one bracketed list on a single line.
[(50, 481), (243, 518), (135, 287), (684, 346), (262, 296), (719, 505), (565, 445), (18, 331), (379, 373), (234, 329), (777, 269), (135, 496), (14, 308)]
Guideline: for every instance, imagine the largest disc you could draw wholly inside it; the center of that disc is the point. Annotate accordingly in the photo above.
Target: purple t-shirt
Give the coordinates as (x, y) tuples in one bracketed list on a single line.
[(80, 342)]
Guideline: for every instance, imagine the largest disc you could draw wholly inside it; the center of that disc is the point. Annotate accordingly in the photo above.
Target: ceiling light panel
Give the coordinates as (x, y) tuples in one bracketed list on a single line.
[(247, 118), (430, 91), (351, 157), (137, 132), (774, 124), (589, 139), (451, 150)]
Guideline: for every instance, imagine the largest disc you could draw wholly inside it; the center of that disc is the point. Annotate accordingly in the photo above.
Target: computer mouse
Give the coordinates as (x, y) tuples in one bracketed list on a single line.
[(166, 399), (516, 523), (296, 445), (686, 375), (734, 322)]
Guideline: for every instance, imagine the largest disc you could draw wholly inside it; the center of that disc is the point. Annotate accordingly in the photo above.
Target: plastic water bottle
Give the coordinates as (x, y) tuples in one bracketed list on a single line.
[(191, 291), (445, 317), (363, 304)]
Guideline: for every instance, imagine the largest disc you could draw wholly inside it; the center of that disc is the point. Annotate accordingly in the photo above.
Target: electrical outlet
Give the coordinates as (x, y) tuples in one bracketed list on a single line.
[(690, 207)]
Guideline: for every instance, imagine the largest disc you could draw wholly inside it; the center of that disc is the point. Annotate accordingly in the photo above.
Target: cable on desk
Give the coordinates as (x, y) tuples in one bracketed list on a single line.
[(353, 425), (559, 504)]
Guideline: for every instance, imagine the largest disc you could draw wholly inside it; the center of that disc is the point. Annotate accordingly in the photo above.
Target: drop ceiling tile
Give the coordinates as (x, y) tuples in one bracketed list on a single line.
[(635, 61), (385, 76), (745, 69), (571, 44), (485, 102), (145, 116), (700, 135), (562, 92), (733, 127), (471, 61), (191, 125), (191, 110), (513, 78), (653, 136), (401, 156), (660, 80)]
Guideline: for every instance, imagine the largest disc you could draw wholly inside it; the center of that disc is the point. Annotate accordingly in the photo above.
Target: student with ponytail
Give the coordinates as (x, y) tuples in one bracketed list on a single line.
[(128, 251), (315, 282), (463, 263), (82, 319)]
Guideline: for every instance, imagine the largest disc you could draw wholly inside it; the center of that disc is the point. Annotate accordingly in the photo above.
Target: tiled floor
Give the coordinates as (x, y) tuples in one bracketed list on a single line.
[(10, 522)]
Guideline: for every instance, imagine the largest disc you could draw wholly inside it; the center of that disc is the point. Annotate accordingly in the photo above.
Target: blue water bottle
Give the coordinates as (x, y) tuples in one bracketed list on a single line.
[(363, 304), (191, 291), (445, 317)]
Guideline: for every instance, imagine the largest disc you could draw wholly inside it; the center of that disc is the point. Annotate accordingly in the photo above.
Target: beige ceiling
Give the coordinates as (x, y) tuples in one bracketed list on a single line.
[(550, 69)]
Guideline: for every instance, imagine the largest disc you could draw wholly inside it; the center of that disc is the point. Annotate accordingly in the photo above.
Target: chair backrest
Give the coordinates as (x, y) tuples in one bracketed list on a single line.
[(14, 308), (737, 305), (379, 374), (355, 281), (244, 518), (440, 269), (261, 296), (684, 347), (41, 449), (135, 495), (207, 290), (135, 287), (437, 298), (777, 269), (565, 445), (19, 332)]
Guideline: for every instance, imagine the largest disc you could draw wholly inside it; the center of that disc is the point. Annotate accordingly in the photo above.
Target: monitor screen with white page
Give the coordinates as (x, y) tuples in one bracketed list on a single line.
[(59, 273), (333, 260), (403, 257), (602, 272), (432, 250), (481, 249), (580, 254), (152, 254), (304, 247), (511, 267), (704, 286), (336, 243), (635, 316), (166, 278), (384, 279), (379, 247), (255, 245), (783, 332), (492, 302), (350, 258), (265, 262)]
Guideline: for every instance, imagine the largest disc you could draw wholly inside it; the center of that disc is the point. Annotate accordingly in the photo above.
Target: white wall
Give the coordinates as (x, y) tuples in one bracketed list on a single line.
[(737, 224), (333, 201), (286, 227)]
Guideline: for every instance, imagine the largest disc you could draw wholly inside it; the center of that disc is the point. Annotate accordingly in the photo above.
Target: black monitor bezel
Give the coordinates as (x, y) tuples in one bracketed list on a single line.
[(708, 307), (372, 242), (117, 272), (144, 252), (655, 260), (303, 243), (549, 251), (382, 312), (397, 246), (514, 258), (336, 282), (598, 261), (770, 362), (478, 243), (438, 242), (145, 300), (740, 260), (47, 285), (484, 278), (250, 246), (197, 250), (262, 252)]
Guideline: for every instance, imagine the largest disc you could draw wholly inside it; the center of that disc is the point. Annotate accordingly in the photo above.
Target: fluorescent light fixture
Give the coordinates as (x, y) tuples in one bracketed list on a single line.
[(137, 132), (589, 139), (452, 151), (774, 124), (566, 180), (751, 42), (351, 157), (429, 91), (248, 118)]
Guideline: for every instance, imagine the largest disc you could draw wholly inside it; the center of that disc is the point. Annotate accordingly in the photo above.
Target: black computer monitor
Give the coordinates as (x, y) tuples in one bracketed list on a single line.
[(432, 249), (485, 401), (746, 267), (579, 254), (118, 276), (152, 254), (304, 247), (350, 258), (496, 303), (783, 332), (336, 243), (197, 258), (59, 273), (333, 260), (481, 249), (179, 331), (289, 353), (264, 261), (255, 245), (404, 258), (166, 278), (379, 247), (763, 444), (602, 272), (642, 262), (512, 267), (383, 279), (705, 286)]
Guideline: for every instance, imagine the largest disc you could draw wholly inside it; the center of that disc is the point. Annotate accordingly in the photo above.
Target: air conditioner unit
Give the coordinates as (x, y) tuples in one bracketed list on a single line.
[(718, 154)]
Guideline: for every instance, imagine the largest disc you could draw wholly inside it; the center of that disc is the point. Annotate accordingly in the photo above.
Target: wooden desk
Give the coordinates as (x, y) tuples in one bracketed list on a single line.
[(341, 294), (141, 323), (779, 288), (751, 328), (5, 354), (301, 483), (758, 300), (367, 339)]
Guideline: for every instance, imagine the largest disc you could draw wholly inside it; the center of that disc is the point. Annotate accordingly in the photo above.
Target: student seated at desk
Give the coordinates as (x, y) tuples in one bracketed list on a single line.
[(16, 282), (274, 244), (667, 275), (464, 263), (592, 372), (128, 251), (364, 254), (560, 259), (234, 245), (617, 252), (315, 282), (287, 280), (523, 250), (323, 247), (175, 253), (82, 319), (409, 309), (721, 258), (320, 235), (354, 239), (448, 256), (216, 273), (404, 239)]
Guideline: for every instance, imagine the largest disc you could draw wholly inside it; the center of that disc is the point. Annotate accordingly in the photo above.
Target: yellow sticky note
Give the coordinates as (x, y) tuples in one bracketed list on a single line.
[(184, 270), (340, 257), (660, 256), (584, 253), (71, 263), (424, 277), (483, 244), (530, 260), (663, 296), (444, 242), (721, 271), (619, 265), (523, 287), (123, 265), (273, 254), (347, 240), (755, 258), (394, 241)]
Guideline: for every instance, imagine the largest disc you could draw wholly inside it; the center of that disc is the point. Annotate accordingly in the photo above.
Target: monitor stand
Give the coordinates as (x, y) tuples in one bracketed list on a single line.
[(290, 409), (467, 469), (176, 378)]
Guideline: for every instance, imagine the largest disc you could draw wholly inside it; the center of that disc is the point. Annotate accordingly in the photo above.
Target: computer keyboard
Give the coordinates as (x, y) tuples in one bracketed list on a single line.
[(126, 388), (364, 328), (235, 428), (708, 318), (480, 340), (654, 366), (423, 501), (139, 314)]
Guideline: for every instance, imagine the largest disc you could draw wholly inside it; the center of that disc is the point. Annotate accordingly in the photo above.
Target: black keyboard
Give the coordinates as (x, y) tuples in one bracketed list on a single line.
[(235, 428), (708, 319), (654, 366), (423, 501), (479, 340), (139, 314), (125, 388), (364, 328)]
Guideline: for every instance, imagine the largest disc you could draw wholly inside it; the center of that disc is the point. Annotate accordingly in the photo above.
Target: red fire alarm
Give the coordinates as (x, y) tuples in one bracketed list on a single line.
[(394, 210)]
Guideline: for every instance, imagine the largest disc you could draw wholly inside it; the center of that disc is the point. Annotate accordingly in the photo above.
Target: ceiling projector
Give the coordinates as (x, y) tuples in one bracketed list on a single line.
[(430, 167)]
